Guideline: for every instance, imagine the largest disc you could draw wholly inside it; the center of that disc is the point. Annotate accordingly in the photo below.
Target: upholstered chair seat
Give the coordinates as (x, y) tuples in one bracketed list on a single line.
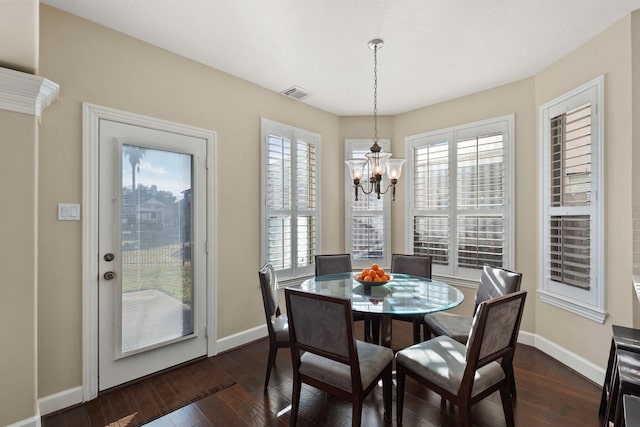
[(465, 374), (442, 361), (326, 355), (494, 282)]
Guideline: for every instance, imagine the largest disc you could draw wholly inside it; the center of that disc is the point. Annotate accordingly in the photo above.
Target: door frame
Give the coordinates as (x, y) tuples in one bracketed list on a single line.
[(91, 116)]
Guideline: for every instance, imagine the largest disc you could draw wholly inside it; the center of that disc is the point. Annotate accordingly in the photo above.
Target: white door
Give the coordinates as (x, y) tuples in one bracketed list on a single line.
[(152, 251)]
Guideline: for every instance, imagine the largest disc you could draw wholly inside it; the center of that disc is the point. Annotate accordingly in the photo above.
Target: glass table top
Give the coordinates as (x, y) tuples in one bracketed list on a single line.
[(403, 294)]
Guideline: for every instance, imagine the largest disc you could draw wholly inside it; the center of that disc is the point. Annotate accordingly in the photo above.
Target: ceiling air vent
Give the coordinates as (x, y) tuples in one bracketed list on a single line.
[(296, 92)]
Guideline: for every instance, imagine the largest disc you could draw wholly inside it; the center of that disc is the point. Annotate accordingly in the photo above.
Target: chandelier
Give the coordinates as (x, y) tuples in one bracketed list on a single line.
[(376, 162)]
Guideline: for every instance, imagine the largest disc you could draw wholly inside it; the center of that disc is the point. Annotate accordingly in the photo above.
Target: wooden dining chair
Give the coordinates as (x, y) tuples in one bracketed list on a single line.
[(413, 265), (277, 323), (341, 263), (326, 355), (494, 282), (466, 374)]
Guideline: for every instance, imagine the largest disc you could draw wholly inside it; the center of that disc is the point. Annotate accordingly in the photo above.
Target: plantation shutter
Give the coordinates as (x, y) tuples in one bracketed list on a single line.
[(279, 189), (431, 201), (480, 200), (290, 164), (569, 255)]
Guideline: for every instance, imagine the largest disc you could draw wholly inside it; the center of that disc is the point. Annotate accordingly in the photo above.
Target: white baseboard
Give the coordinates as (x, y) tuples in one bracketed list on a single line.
[(241, 338), (67, 398), (579, 364), (29, 422), (61, 400)]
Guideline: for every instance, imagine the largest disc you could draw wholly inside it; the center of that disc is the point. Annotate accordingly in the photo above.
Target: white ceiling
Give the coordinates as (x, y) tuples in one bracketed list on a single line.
[(434, 49)]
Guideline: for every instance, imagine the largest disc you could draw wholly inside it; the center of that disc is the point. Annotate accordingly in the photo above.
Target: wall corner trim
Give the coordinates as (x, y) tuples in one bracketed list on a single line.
[(26, 93)]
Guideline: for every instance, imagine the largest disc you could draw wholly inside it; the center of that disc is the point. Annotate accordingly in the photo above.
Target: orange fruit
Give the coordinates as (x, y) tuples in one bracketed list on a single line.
[(373, 274), (360, 277), (365, 271), (380, 272), (374, 266), (367, 278), (387, 277)]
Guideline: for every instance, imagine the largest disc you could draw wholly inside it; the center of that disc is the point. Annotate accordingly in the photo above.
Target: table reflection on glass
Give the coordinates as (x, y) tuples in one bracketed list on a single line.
[(402, 295)]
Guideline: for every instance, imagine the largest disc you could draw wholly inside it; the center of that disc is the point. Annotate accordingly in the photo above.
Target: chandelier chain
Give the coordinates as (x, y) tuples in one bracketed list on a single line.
[(375, 94)]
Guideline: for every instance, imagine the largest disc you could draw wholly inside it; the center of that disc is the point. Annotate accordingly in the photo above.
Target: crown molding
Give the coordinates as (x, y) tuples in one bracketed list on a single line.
[(26, 93)]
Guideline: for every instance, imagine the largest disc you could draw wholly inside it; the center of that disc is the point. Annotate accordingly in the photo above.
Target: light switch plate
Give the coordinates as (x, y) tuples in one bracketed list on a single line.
[(68, 212)]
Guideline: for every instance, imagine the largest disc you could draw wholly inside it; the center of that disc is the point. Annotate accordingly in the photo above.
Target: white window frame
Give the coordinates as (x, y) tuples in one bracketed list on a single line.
[(504, 124), (269, 127), (589, 303), (352, 145)]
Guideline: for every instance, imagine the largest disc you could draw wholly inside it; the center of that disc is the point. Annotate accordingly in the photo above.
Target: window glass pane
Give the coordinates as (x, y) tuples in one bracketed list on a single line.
[(431, 237), (569, 250), (480, 175), (156, 247), (571, 157), (306, 240), (431, 176), (279, 173), (279, 242), (305, 176), (368, 237), (480, 241)]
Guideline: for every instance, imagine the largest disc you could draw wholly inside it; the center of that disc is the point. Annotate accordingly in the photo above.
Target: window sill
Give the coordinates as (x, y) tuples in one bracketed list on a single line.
[(292, 281), (573, 306), (462, 282)]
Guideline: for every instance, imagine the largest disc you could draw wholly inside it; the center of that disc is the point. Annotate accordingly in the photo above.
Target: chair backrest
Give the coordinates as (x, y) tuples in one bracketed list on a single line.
[(496, 282), (269, 289), (495, 328), (323, 325), (334, 263), (413, 265)]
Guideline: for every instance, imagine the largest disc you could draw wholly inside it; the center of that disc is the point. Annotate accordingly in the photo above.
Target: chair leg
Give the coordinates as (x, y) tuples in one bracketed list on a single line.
[(464, 408), (387, 384), (427, 331), (507, 405), (273, 351), (416, 331), (375, 329), (356, 413), (512, 381), (367, 329), (295, 400), (400, 379)]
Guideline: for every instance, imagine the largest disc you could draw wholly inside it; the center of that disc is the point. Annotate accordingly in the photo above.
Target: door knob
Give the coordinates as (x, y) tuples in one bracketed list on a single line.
[(109, 257), (109, 275)]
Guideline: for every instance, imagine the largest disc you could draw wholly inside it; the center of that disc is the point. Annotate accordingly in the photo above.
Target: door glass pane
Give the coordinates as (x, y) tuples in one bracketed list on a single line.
[(157, 275)]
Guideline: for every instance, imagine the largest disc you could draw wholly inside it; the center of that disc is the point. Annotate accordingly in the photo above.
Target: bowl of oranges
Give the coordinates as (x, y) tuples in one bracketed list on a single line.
[(373, 276)]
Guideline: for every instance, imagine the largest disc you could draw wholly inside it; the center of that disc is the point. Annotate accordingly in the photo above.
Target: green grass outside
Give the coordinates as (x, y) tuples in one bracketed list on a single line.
[(175, 281)]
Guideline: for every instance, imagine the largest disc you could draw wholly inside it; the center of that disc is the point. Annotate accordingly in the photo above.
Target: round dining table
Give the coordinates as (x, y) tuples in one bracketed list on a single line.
[(401, 295)]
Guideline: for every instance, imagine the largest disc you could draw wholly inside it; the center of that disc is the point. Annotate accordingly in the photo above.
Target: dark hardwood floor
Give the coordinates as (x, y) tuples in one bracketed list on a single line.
[(549, 394)]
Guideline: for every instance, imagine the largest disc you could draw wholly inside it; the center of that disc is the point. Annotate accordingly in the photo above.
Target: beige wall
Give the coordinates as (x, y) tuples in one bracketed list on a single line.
[(608, 54), (19, 35), (18, 266), (97, 65)]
